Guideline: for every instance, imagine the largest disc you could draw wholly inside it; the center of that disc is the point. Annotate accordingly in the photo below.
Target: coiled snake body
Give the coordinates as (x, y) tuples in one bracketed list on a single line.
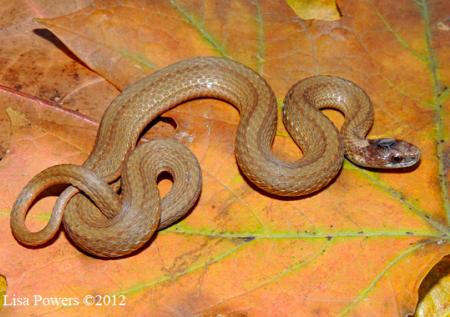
[(107, 224)]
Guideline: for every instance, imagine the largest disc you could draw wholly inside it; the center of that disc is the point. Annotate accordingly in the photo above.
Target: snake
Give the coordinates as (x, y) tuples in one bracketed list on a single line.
[(111, 206)]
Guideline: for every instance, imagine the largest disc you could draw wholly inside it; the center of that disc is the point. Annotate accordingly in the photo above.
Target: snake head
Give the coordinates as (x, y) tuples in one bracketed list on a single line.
[(390, 153)]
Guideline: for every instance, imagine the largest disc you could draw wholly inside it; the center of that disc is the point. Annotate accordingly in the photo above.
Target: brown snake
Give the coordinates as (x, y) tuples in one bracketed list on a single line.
[(106, 224)]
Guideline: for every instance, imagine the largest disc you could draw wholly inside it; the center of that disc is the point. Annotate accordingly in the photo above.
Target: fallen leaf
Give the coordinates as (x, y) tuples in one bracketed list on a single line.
[(361, 247), (3, 286), (436, 289), (33, 62)]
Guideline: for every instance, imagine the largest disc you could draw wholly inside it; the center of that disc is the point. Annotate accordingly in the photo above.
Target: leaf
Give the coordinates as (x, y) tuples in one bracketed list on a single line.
[(36, 64), (436, 302), (360, 247), (316, 9), (3, 285)]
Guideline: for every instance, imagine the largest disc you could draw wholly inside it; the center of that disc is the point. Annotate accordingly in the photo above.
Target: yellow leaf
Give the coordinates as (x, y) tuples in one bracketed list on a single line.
[(315, 9), (436, 302), (3, 285)]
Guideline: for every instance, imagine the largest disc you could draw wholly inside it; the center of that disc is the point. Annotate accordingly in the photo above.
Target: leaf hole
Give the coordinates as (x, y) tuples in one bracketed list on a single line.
[(335, 116), (165, 181), (160, 127), (41, 209)]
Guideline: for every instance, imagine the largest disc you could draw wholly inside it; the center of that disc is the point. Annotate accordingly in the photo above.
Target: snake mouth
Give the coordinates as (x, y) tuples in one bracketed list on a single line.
[(408, 160), (404, 164)]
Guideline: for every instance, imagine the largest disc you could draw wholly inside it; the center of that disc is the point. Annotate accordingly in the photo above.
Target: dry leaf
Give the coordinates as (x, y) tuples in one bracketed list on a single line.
[(360, 247), (436, 288), (3, 285)]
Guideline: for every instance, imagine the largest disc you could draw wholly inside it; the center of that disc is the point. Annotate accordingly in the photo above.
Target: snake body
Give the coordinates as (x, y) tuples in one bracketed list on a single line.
[(107, 224)]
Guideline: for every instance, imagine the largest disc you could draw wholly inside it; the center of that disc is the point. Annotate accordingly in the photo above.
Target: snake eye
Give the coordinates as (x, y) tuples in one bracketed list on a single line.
[(397, 159)]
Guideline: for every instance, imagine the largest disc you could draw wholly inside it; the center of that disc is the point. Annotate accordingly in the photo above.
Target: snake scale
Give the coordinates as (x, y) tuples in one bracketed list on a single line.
[(106, 223)]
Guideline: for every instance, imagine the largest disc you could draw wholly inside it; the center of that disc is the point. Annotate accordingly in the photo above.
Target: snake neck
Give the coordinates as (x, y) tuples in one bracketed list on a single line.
[(356, 150)]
